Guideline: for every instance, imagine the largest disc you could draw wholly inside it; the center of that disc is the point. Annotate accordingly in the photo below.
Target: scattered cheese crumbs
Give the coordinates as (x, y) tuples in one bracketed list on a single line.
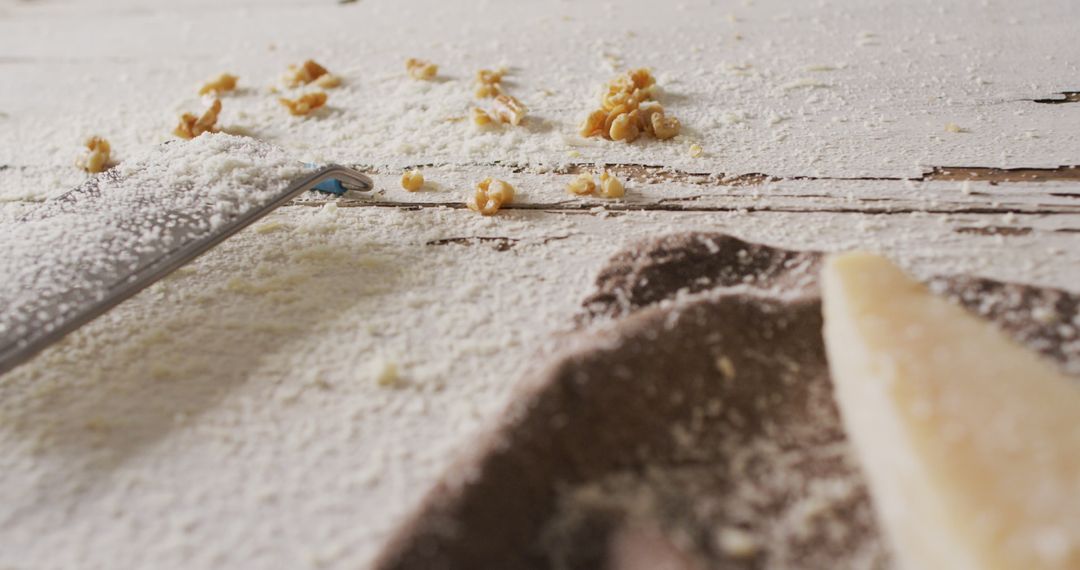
[(489, 83), (304, 73), (582, 185), (96, 157), (627, 110), (412, 180), (305, 103), (954, 128), (737, 543), (421, 70), (221, 84), (610, 186), (696, 150), (191, 126), (490, 195)]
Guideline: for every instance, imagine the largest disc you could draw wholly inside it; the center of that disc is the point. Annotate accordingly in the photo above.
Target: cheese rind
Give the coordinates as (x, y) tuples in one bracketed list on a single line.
[(970, 442)]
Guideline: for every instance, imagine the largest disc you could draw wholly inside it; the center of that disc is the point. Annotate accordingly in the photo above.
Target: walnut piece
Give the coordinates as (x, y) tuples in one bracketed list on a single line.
[(96, 157), (508, 109), (625, 127), (328, 81), (505, 108), (645, 112), (304, 73), (412, 180), (593, 125), (664, 127), (489, 196), (610, 186), (480, 117), (642, 78), (627, 110), (489, 83), (304, 104), (191, 126), (221, 84), (582, 185), (420, 69)]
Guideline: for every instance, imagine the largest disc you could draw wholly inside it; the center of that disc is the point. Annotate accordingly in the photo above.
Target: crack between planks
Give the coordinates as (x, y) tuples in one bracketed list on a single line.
[(1065, 97), (498, 243), (671, 207), (652, 173), (658, 173)]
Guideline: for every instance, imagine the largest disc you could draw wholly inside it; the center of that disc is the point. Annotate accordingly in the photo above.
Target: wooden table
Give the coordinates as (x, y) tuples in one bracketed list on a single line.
[(233, 415)]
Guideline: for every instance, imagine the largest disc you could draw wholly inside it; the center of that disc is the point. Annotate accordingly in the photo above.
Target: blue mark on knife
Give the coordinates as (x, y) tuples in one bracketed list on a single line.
[(331, 186)]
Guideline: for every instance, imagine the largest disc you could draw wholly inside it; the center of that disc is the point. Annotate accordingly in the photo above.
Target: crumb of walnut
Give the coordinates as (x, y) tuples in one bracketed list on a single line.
[(304, 73), (487, 91), (480, 117), (489, 83), (191, 126), (96, 157), (696, 150), (664, 127), (420, 69), (593, 125), (582, 185), (500, 190), (328, 81), (509, 109), (625, 127), (490, 196), (627, 110), (621, 96), (221, 84), (304, 104), (505, 108), (645, 112), (490, 76), (642, 78), (610, 186), (412, 180)]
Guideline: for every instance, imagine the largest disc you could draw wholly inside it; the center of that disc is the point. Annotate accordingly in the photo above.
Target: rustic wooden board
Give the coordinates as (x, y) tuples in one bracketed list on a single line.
[(232, 415)]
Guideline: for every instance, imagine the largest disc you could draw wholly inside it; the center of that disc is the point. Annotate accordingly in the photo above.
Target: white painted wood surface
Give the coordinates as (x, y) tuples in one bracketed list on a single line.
[(230, 416)]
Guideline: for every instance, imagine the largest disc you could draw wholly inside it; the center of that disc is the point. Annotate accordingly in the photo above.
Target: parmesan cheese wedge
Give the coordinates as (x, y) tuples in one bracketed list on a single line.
[(969, 441)]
